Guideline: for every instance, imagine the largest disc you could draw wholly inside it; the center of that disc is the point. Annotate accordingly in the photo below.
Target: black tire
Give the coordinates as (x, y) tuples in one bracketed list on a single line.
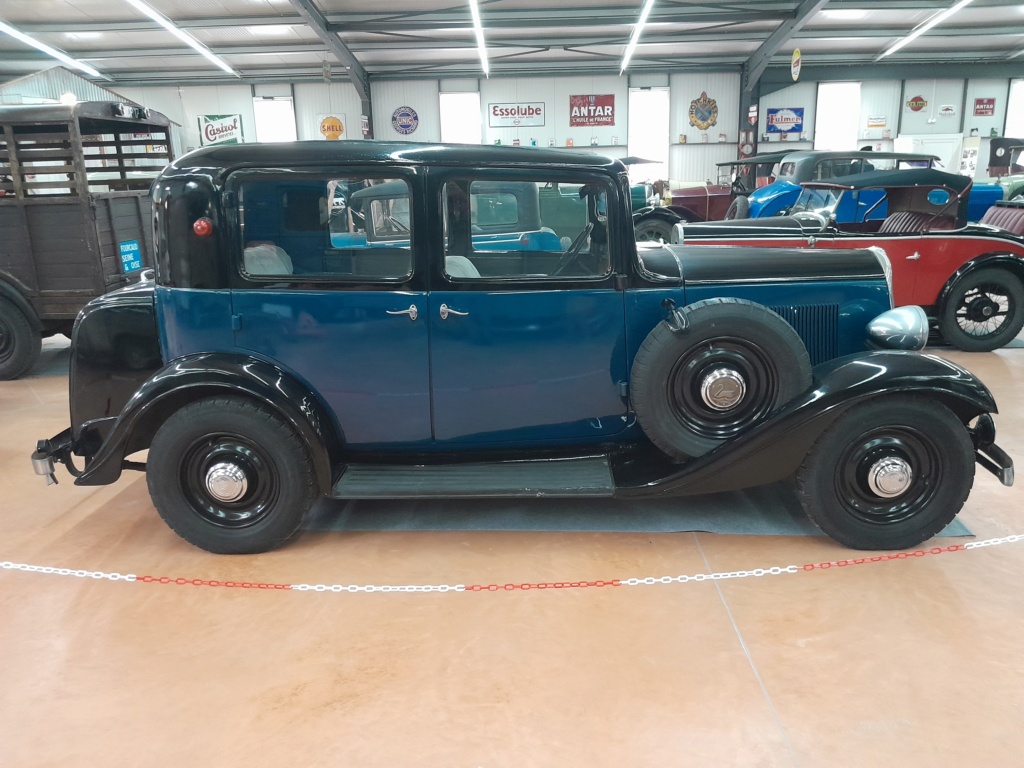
[(19, 343), (279, 489), (834, 481), (680, 370), (739, 208), (651, 230), (985, 311)]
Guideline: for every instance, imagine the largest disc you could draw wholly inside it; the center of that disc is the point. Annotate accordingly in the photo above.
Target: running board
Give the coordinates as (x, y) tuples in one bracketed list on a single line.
[(590, 476)]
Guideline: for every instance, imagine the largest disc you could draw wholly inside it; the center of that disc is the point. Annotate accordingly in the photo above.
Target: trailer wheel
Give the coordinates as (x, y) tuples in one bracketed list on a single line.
[(230, 476), (888, 474), (19, 343), (715, 369)]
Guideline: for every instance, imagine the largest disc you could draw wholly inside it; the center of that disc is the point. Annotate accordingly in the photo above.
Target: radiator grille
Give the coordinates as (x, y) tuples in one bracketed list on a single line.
[(818, 326)]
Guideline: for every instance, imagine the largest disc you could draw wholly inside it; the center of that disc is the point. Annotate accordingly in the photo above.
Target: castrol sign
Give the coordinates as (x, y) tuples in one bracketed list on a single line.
[(220, 129), (513, 115)]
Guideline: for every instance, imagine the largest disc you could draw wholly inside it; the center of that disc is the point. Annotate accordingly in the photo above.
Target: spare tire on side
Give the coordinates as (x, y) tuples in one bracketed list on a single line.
[(714, 369)]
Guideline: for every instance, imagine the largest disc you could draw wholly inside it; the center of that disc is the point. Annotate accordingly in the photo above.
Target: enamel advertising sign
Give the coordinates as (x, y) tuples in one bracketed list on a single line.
[(592, 110), (220, 129), (513, 115), (785, 120)]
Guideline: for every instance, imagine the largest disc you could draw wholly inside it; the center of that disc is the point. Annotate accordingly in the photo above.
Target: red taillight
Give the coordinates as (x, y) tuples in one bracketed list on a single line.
[(203, 227)]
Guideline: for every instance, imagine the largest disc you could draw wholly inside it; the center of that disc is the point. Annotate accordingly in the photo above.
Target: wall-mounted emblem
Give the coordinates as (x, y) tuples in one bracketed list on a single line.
[(405, 120), (332, 127), (703, 112), (917, 103)]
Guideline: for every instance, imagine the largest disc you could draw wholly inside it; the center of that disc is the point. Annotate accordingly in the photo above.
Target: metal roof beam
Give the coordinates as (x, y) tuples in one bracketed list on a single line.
[(762, 56), (318, 24)]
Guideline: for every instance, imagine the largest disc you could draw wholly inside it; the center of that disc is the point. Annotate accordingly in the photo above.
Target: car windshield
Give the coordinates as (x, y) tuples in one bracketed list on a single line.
[(820, 200)]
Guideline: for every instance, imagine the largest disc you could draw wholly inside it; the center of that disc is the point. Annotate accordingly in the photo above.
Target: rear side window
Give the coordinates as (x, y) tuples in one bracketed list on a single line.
[(351, 228)]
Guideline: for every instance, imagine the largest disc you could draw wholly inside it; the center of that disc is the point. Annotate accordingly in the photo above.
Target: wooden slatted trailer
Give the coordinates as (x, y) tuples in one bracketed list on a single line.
[(75, 213)]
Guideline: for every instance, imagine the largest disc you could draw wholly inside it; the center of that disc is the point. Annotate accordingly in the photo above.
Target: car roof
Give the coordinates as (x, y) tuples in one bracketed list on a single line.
[(227, 157), (910, 177), (817, 154), (767, 157)]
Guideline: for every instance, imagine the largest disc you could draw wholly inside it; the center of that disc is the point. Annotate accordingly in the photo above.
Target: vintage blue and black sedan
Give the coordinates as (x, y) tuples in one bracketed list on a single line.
[(366, 320)]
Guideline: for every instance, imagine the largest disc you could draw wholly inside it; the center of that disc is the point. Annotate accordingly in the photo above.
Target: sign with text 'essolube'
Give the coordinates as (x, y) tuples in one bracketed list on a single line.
[(513, 115)]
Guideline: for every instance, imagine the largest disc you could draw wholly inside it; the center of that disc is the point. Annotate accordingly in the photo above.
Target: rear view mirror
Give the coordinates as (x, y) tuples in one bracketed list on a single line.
[(938, 196)]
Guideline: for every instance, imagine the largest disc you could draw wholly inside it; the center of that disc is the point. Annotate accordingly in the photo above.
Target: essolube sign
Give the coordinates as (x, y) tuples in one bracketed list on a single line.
[(511, 115)]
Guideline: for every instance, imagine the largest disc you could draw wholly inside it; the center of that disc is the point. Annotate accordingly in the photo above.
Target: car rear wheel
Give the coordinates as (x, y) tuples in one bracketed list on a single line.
[(888, 474), (653, 231), (19, 343), (984, 311), (715, 369), (739, 208), (230, 476)]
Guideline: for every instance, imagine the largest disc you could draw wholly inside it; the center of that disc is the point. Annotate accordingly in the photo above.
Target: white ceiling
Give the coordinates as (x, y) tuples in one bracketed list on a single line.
[(269, 40)]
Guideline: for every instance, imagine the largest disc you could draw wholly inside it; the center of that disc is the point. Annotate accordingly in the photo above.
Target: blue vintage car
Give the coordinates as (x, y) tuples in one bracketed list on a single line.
[(271, 363)]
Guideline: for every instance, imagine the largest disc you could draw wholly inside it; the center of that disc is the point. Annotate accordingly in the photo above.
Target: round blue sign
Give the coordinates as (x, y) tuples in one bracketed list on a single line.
[(405, 120)]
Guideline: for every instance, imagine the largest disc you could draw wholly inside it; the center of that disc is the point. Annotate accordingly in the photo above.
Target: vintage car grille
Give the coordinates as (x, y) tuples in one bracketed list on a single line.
[(818, 326)]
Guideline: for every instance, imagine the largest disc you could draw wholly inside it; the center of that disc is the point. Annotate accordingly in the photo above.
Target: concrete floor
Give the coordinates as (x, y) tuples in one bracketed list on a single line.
[(913, 662)]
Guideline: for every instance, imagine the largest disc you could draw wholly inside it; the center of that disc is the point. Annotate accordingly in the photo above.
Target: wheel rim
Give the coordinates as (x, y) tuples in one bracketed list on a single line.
[(650, 235), (888, 476), (228, 480), (6, 341), (699, 401), (985, 310)]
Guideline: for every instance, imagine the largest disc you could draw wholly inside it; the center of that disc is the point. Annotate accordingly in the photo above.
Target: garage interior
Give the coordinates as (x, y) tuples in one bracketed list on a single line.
[(727, 632)]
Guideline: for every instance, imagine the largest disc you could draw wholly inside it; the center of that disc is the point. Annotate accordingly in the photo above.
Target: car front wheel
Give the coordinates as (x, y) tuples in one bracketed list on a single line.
[(230, 476), (888, 474), (985, 311)]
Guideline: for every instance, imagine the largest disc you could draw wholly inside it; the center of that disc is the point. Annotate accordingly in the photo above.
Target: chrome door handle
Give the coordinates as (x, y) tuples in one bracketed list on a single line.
[(412, 312), (812, 241), (446, 310), (914, 256)]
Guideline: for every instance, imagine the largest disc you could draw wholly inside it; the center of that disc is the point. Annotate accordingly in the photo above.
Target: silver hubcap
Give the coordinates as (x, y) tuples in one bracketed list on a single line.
[(723, 389), (890, 477), (226, 482)]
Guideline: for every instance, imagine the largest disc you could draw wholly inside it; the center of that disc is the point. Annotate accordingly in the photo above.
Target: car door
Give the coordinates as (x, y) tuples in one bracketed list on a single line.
[(527, 339), (343, 314)]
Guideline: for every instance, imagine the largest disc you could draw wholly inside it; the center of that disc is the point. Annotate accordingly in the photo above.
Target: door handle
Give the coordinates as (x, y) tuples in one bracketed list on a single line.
[(914, 256), (812, 241), (412, 312), (446, 310)]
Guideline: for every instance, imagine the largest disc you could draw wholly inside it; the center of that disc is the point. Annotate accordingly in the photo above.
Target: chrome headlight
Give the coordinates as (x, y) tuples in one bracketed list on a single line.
[(883, 259), (900, 328)]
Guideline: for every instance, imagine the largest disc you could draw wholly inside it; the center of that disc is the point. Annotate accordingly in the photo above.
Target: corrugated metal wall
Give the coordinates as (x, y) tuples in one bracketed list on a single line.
[(314, 101), (798, 95), (694, 151), (50, 85), (879, 103), (420, 95)]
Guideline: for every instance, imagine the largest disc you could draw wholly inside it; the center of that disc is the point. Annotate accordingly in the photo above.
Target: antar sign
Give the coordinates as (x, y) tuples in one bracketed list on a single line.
[(511, 115), (592, 110)]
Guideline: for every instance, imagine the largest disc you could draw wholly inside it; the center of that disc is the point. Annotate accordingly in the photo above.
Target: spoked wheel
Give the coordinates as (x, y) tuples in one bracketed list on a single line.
[(230, 476), (653, 231), (722, 366), (984, 311), (888, 474)]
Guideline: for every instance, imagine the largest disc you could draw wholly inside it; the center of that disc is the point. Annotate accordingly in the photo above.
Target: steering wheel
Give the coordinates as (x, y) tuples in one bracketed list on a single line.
[(573, 251), (812, 216)]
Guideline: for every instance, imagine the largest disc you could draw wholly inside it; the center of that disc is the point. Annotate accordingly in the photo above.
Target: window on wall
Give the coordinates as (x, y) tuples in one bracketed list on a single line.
[(648, 128), (1015, 110), (837, 116), (275, 119), (460, 118)]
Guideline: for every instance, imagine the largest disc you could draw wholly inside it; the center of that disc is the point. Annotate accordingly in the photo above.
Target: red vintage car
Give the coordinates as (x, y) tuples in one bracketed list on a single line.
[(969, 278)]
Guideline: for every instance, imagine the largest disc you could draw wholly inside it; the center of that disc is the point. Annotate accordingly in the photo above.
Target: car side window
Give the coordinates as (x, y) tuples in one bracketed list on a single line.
[(326, 228), (535, 230)]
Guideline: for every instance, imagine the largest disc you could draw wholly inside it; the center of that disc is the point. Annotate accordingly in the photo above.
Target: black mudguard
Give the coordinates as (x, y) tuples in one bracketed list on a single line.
[(774, 449), (210, 374)]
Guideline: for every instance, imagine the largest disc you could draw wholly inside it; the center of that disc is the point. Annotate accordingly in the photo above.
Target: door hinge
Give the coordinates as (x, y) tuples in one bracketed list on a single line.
[(236, 322)]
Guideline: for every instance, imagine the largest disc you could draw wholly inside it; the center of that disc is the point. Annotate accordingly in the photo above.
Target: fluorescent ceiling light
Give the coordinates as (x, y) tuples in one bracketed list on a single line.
[(845, 14), (83, 35), (644, 13), (185, 37), (478, 29), (935, 20), (58, 55), (270, 30)]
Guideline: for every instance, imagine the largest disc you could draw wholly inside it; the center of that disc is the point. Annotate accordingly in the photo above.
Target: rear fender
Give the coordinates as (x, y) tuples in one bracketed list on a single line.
[(1008, 261), (774, 449), (199, 376)]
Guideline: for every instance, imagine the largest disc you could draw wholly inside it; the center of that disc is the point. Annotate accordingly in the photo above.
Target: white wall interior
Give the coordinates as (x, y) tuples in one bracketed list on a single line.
[(315, 100), (695, 159), (979, 92), (879, 113), (420, 95), (795, 96), (935, 116)]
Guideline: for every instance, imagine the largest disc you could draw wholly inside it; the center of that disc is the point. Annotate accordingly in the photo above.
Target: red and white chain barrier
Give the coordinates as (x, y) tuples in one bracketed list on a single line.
[(632, 582)]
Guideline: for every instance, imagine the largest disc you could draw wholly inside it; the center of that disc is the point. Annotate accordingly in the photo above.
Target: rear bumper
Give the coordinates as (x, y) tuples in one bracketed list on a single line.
[(56, 449)]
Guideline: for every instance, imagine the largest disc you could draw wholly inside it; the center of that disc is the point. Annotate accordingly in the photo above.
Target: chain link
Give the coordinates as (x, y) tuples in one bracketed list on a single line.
[(510, 587)]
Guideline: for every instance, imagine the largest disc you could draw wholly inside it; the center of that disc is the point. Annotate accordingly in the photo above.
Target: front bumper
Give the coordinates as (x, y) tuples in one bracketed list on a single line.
[(56, 449)]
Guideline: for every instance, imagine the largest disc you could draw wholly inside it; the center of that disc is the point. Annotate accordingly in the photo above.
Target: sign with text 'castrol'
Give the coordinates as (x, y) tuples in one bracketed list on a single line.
[(220, 129), (514, 115)]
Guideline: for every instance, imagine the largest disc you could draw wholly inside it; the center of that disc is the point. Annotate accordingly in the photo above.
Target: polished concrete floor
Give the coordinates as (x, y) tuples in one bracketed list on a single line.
[(915, 662)]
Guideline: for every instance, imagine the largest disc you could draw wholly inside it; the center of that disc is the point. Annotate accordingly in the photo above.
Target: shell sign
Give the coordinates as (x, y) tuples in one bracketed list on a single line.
[(332, 127)]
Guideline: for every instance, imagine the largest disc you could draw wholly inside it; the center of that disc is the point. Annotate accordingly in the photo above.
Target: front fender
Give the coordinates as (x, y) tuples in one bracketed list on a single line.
[(194, 377), (768, 201), (774, 449), (663, 212)]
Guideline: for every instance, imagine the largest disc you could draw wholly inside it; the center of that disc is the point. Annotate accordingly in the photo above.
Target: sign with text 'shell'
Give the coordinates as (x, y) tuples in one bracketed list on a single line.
[(592, 109), (220, 129), (512, 115)]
